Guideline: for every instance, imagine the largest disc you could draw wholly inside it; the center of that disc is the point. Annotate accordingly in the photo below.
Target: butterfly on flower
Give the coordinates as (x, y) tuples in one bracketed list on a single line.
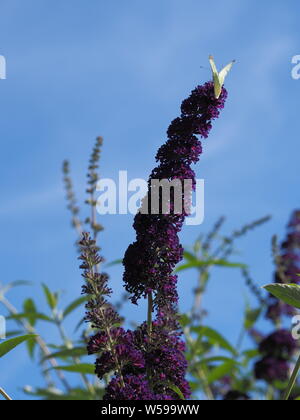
[(219, 78)]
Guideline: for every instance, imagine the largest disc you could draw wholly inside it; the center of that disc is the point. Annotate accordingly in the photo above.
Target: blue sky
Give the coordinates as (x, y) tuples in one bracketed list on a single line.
[(78, 69)]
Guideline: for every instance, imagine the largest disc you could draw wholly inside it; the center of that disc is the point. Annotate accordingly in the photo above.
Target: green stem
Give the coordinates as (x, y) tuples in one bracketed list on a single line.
[(292, 381), (206, 387), (5, 395)]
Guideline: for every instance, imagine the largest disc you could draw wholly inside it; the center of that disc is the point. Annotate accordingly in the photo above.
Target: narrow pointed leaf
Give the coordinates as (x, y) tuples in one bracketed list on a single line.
[(84, 368), (50, 297), (75, 352), (9, 345), (208, 263), (74, 305), (214, 338)]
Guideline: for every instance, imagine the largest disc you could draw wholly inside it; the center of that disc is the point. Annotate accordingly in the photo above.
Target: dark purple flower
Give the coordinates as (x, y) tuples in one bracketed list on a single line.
[(148, 363), (150, 261), (125, 355), (97, 343), (288, 268), (290, 255), (272, 369), (136, 387), (114, 344), (280, 344), (164, 355)]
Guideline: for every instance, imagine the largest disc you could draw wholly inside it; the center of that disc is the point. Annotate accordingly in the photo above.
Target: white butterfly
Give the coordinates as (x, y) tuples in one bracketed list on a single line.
[(219, 78)]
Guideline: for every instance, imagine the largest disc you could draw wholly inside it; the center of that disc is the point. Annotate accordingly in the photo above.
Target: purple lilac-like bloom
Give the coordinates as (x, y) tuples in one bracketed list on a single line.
[(290, 255), (149, 362), (126, 354), (271, 369), (276, 350), (136, 388), (99, 312), (280, 344), (115, 346), (164, 356), (149, 262), (288, 270)]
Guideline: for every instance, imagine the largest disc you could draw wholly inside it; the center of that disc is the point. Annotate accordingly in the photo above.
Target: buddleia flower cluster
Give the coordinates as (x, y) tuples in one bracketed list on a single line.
[(150, 261), (149, 363), (288, 268), (276, 349), (279, 347)]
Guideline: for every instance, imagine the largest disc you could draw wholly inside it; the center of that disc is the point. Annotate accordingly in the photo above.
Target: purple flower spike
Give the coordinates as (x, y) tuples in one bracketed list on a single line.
[(149, 262), (271, 369)]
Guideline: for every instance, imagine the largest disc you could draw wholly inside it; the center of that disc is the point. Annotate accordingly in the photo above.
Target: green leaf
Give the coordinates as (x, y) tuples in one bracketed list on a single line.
[(288, 293), (176, 390), (80, 323), (194, 385), (115, 262), (217, 359), (215, 338), (189, 256), (9, 345), (51, 298), (251, 354), (251, 316), (184, 320), (30, 311), (74, 305), (75, 352), (84, 368), (220, 371), (36, 316), (208, 263), (31, 344)]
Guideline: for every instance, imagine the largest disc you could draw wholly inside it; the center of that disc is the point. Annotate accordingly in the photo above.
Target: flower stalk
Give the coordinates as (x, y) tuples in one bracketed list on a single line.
[(292, 381)]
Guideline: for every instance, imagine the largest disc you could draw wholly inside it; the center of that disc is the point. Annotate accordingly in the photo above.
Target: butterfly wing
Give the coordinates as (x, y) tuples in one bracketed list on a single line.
[(216, 77), (223, 73)]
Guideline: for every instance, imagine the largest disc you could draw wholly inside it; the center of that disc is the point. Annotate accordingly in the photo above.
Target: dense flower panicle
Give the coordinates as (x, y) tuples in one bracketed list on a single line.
[(153, 363), (112, 342), (130, 360), (150, 261), (271, 369), (280, 344), (276, 350), (288, 268), (136, 388), (99, 312), (164, 355), (279, 347), (149, 363)]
